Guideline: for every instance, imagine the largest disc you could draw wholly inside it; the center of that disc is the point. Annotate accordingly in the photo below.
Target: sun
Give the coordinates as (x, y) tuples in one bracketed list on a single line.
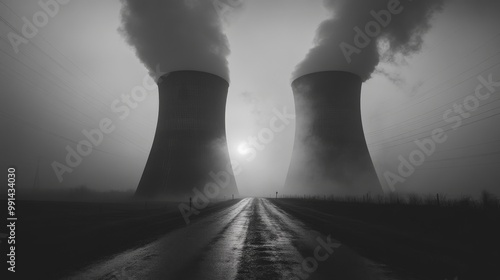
[(243, 148)]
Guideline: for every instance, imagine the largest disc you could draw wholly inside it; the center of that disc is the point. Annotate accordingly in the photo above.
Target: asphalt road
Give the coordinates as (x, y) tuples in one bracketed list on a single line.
[(252, 239)]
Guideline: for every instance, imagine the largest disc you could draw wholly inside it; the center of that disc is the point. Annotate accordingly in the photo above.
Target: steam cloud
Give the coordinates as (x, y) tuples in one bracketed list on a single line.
[(176, 35), (402, 35)]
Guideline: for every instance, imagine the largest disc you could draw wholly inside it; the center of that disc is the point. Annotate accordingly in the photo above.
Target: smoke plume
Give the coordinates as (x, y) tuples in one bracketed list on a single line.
[(361, 33), (174, 35)]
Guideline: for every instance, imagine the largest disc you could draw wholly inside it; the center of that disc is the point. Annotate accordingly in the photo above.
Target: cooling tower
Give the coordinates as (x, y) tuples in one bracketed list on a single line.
[(190, 142), (330, 155)]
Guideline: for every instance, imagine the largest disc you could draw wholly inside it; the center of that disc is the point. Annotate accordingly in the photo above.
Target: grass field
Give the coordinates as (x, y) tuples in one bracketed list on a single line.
[(55, 238), (415, 237), (421, 240)]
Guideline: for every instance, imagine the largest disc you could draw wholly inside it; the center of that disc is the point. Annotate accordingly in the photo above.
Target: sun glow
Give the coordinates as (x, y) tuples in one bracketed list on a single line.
[(243, 148)]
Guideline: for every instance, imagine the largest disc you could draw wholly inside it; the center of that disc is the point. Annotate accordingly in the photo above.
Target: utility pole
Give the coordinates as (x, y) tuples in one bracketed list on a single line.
[(36, 181)]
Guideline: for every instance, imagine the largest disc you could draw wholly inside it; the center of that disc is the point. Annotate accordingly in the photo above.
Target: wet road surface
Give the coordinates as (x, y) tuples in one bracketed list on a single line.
[(252, 239)]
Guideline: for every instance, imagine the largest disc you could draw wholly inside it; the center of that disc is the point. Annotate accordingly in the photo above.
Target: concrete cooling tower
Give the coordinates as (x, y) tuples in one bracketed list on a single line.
[(190, 142), (330, 154)]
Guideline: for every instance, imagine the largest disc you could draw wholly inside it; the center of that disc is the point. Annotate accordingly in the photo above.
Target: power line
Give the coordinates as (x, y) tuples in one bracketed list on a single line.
[(490, 164), (61, 54), (50, 56), (444, 90), (139, 148), (66, 82), (70, 72), (428, 125), (445, 130), (432, 110), (63, 89), (468, 146), (425, 93), (465, 157), (36, 127)]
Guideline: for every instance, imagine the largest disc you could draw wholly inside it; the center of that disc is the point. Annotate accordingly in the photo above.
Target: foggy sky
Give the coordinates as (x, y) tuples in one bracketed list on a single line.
[(41, 114)]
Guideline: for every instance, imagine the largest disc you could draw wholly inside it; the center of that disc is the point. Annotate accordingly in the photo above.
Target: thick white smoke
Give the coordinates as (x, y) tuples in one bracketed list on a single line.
[(361, 33), (174, 35)]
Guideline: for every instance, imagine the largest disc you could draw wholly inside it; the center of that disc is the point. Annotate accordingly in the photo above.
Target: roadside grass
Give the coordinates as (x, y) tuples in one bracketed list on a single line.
[(415, 236), (56, 238)]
